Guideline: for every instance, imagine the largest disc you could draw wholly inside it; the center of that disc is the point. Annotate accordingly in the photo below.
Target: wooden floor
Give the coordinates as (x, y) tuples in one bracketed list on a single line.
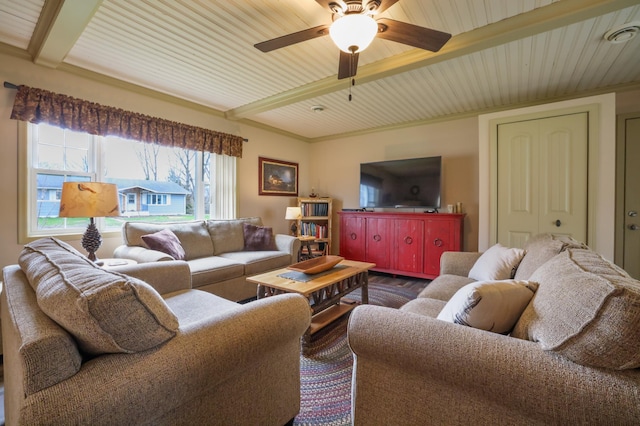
[(416, 284)]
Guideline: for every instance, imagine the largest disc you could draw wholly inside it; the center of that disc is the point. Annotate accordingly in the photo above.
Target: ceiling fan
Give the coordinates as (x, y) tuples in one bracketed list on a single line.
[(354, 28)]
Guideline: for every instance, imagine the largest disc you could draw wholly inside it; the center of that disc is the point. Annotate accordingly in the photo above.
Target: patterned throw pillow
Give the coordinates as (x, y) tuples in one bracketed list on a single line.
[(489, 305), (165, 241)]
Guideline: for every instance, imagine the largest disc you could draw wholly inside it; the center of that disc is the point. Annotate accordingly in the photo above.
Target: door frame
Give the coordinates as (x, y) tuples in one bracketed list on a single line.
[(620, 181), (601, 167)]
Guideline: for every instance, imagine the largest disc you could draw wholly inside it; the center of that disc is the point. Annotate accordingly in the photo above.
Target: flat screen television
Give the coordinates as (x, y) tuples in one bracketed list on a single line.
[(409, 183)]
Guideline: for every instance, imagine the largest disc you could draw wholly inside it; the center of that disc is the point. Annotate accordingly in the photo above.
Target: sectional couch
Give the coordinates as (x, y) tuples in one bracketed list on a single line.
[(565, 345), (137, 345), (216, 251)]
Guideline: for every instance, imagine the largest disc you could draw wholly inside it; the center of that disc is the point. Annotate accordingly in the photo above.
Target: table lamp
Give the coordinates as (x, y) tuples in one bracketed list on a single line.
[(293, 213), (89, 199)]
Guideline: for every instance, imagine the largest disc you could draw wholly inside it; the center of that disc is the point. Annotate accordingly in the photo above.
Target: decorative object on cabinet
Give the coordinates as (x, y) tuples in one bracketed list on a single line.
[(293, 214), (277, 177), (316, 222), (89, 199), (400, 243)]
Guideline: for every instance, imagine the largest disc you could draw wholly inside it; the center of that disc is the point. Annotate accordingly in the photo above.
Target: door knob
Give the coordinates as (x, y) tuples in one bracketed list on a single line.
[(558, 223), (632, 213), (634, 227)]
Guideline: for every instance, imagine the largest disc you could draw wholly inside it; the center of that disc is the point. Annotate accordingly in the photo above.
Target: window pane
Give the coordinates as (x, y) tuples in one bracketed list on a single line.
[(49, 189)]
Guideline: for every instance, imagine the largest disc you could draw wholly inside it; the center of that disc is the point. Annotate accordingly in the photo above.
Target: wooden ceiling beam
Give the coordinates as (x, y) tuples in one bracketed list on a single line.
[(59, 26)]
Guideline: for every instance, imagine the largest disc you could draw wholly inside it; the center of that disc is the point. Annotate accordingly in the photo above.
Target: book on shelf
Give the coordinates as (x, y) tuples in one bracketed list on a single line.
[(315, 209)]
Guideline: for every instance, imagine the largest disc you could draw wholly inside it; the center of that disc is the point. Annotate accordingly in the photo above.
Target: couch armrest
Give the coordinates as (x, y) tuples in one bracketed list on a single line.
[(216, 370), (140, 254), (449, 373), (165, 277), (288, 244), (457, 262)]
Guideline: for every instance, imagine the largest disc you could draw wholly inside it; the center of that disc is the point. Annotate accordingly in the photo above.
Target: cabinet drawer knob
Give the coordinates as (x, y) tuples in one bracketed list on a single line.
[(408, 240), (377, 237), (353, 236), (438, 242)]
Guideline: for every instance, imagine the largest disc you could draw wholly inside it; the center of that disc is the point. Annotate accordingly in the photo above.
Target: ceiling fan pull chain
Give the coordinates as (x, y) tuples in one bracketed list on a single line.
[(351, 84)]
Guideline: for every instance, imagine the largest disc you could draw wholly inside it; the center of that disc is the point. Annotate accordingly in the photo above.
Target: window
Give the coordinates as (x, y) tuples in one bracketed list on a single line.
[(154, 182)]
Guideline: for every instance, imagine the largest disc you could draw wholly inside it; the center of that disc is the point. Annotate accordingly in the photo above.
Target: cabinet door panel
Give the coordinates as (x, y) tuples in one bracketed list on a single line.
[(379, 242), (408, 240), (352, 238), (438, 240)]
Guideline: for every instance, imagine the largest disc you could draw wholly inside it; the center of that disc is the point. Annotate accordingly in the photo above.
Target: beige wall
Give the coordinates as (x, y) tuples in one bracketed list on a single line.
[(335, 165)]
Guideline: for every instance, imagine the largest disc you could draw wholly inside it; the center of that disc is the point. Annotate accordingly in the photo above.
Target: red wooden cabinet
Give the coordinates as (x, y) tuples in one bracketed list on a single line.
[(408, 237), (400, 243), (352, 238)]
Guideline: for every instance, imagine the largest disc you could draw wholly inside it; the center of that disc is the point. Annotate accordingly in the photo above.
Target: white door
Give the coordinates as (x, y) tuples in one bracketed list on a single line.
[(631, 256), (542, 178)]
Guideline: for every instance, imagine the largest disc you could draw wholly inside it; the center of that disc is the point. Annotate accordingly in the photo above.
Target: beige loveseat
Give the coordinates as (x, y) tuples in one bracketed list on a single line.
[(215, 251), (142, 352), (573, 356)]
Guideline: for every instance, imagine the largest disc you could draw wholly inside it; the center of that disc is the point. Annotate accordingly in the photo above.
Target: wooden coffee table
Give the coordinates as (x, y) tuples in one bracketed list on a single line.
[(323, 292)]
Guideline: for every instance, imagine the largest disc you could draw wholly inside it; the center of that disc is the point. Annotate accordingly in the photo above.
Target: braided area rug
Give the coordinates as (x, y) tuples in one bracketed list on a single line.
[(325, 370)]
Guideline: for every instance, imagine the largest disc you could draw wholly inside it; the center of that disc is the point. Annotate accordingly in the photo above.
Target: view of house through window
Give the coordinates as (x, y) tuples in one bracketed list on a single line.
[(155, 183)]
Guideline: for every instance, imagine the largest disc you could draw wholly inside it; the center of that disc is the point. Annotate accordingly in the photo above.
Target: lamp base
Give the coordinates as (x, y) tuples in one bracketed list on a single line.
[(294, 229), (91, 240)]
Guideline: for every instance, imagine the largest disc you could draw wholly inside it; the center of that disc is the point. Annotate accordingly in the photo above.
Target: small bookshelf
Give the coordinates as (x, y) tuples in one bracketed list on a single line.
[(316, 222)]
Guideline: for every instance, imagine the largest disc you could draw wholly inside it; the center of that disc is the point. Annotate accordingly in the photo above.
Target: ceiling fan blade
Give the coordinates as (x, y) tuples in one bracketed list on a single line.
[(413, 35), (327, 4), (348, 65), (384, 5), (289, 39)]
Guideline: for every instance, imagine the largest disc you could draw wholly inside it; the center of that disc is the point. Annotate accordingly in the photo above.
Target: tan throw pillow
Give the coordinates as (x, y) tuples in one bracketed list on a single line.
[(539, 249), (165, 241), (105, 311), (585, 309), (489, 305), (258, 238), (497, 263)]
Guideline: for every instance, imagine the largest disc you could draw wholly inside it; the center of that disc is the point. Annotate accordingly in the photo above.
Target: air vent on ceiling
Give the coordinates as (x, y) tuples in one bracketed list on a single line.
[(622, 33)]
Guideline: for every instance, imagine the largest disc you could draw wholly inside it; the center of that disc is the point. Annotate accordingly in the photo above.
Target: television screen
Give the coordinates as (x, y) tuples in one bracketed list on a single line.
[(413, 182)]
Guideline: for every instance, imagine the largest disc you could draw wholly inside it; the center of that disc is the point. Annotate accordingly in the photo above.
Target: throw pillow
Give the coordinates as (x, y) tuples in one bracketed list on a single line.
[(258, 238), (497, 263), (489, 305), (106, 312), (165, 241)]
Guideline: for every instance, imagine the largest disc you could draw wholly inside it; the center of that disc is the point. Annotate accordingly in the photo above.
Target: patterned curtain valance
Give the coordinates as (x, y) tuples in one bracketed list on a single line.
[(41, 106)]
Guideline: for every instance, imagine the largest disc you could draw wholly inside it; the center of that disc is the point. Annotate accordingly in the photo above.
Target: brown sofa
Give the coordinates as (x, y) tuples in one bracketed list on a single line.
[(142, 352), (215, 251), (573, 356)]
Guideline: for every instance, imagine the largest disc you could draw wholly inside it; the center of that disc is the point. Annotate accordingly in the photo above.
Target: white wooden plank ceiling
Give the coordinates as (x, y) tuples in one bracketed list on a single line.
[(503, 53)]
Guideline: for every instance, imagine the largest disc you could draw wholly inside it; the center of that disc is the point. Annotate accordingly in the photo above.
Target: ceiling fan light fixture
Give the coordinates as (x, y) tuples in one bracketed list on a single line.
[(353, 33)]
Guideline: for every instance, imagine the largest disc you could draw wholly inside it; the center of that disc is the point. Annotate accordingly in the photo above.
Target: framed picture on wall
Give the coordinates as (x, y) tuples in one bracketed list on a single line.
[(276, 177)]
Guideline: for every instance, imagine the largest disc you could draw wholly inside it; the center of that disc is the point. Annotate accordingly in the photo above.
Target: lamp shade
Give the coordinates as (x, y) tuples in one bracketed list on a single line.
[(89, 199), (353, 33), (293, 213)]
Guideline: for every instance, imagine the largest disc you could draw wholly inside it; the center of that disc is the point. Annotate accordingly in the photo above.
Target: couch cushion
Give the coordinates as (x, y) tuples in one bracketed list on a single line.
[(539, 249), (193, 235), (105, 311), (191, 306), (423, 306), (228, 235), (165, 241), (444, 287), (497, 263), (586, 309), (489, 305), (258, 238), (257, 262), (213, 269)]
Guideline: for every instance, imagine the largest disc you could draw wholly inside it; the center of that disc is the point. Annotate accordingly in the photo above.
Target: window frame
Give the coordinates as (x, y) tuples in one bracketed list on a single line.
[(27, 189)]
